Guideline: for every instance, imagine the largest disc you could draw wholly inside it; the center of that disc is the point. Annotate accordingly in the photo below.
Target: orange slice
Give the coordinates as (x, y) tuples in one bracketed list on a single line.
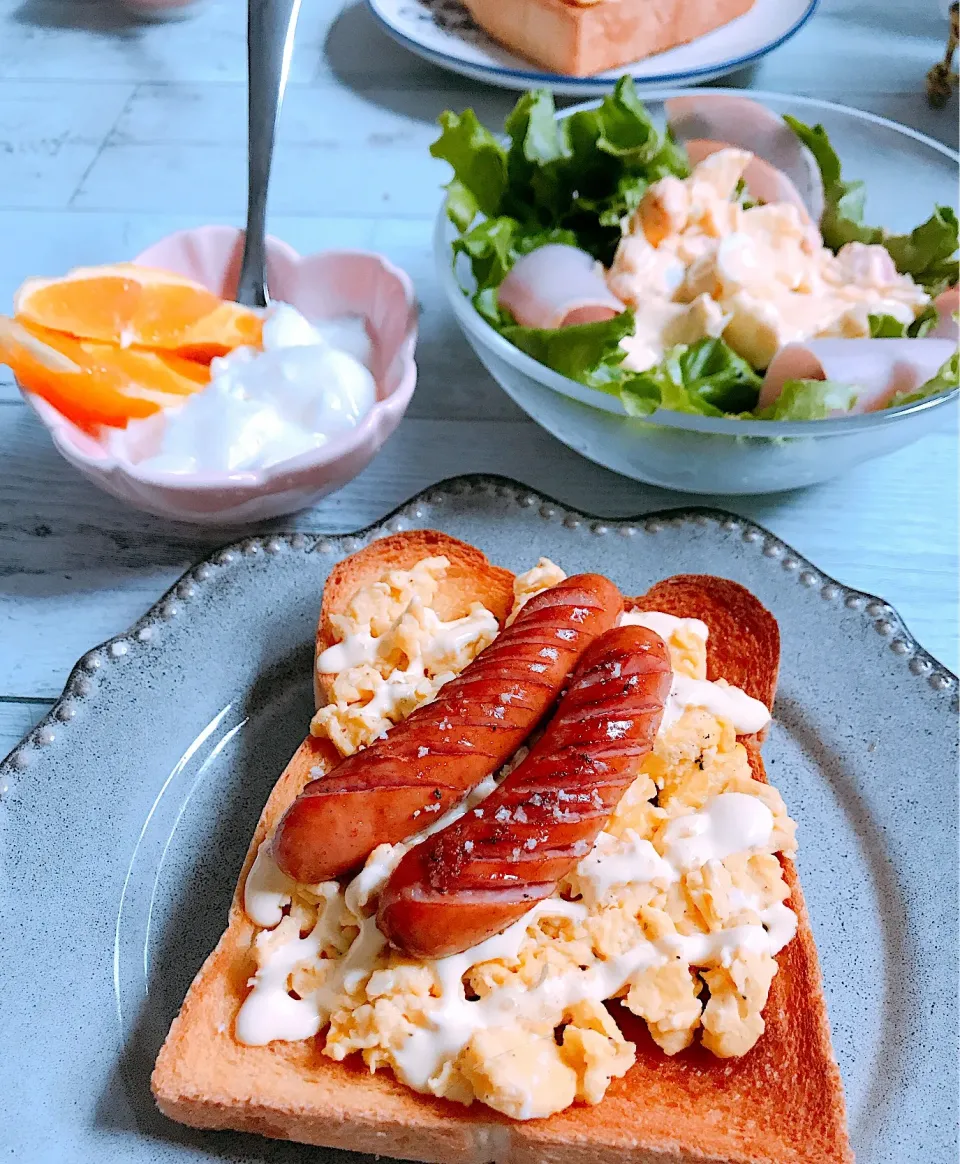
[(93, 383), (138, 306)]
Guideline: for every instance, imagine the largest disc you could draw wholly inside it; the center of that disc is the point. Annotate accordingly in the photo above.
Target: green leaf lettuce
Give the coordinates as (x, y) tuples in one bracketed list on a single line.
[(706, 377), (927, 254), (889, 327), (581, 173), (947, 377), (479, 164), (588, 352), (810, 400)]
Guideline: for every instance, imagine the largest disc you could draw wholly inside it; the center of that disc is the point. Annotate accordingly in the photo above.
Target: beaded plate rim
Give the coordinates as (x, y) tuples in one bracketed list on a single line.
[(81, 689)]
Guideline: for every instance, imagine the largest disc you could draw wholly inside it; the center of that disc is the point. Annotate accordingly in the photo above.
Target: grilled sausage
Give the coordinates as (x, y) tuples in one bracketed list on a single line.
[(431, 760), (485, 870)]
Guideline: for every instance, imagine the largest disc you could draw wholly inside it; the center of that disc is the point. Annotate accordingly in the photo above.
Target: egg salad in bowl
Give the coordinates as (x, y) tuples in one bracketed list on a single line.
[(697, 263), (676, 913)]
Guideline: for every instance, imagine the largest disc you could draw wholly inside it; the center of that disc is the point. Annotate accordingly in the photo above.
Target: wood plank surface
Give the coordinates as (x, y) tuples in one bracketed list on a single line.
[(114, 133)]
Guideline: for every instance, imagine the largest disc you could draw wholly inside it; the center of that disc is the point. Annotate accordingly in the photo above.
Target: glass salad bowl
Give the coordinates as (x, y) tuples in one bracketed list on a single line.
[(905, 173)]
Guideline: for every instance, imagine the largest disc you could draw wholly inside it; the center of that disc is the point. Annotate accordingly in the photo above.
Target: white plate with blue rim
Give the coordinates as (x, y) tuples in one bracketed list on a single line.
[(443, 32), (126, 814)]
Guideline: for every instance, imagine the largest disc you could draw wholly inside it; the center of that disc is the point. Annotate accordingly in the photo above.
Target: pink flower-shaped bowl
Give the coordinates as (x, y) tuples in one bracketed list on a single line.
[(322, 286)]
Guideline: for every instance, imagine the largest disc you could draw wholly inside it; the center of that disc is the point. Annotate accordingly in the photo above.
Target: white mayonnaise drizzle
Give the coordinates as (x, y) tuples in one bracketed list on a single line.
[(430, 650), (270, 1012), (728, 823), (745, 713), (665, 625), (455, 1019), (268, 890), (440, 641), (267, 893), (778, 925), (618, 861)]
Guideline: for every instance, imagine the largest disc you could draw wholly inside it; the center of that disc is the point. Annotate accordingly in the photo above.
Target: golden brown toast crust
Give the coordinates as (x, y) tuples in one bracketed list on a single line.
[(470, 578), (586, 37), (780, 1103)]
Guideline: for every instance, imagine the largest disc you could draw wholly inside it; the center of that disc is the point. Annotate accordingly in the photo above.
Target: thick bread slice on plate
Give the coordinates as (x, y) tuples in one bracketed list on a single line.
[(780, 1104), (471, 577), (582, 37)]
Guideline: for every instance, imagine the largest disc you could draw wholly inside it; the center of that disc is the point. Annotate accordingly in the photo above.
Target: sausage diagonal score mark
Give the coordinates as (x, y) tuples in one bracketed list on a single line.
[(485, 870), (443, 749)]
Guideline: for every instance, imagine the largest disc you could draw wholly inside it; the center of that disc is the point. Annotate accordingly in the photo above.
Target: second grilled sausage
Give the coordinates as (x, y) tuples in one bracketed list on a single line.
[(431, 760), (486, 869)]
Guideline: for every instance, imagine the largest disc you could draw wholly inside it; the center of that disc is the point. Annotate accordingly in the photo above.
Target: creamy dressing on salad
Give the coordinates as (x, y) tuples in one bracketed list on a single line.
[(694, 264)]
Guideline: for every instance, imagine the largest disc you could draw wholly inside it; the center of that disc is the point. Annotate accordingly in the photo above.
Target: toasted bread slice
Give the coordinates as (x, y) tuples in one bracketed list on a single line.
[(782, 1102), (471, 577), (582, 37)]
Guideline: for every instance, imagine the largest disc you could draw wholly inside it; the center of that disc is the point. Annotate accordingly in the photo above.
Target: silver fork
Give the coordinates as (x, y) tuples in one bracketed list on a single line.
[(271, 27)]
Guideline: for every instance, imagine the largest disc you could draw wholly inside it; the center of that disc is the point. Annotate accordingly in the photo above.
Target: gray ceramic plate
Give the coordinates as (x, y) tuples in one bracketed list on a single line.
[(127, 813)]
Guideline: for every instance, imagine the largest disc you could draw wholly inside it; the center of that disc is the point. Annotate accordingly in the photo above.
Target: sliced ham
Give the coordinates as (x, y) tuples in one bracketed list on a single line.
[(721, 120), (879, 368), (947, 304), (557, 286)]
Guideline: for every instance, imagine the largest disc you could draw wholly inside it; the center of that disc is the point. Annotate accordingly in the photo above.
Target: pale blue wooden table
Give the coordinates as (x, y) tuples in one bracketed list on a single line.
[(114, 133)]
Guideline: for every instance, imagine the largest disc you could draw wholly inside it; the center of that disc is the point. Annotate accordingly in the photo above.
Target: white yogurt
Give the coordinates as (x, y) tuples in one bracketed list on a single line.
[(310, 382)]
